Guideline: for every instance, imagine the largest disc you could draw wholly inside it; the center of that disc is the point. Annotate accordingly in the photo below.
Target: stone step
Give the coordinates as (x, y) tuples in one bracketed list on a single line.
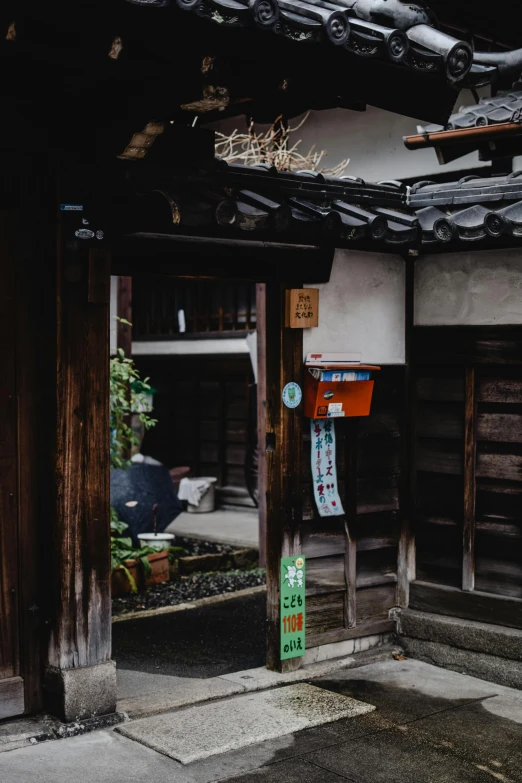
[(488, 652), (217, 727)]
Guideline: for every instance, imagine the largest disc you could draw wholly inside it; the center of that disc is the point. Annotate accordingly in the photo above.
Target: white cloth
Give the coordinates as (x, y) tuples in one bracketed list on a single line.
[(192, 489), (142, 459)]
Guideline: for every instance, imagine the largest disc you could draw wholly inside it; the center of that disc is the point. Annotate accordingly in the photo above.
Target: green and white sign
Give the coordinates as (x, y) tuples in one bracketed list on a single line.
[(293, 616)]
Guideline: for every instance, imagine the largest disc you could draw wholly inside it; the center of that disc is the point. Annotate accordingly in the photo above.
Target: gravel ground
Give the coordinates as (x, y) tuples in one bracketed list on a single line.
[(189, 588), (193, 546)]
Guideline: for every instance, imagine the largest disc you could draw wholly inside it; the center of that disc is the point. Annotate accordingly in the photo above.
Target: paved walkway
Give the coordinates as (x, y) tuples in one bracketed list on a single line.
[(239, 528), (429, 726)]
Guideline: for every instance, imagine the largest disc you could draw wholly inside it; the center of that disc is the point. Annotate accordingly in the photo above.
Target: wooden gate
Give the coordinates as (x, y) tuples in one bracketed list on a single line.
[(468, 473), (11, 683), (21, 292)]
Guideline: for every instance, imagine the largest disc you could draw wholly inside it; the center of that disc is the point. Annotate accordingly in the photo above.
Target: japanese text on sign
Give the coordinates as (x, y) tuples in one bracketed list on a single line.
[(302, 308), (324, 470), (293, 617)]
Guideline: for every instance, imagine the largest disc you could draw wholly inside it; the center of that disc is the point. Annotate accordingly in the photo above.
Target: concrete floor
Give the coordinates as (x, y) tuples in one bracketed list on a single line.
[(209, 641), (430, 726), (239, 528)]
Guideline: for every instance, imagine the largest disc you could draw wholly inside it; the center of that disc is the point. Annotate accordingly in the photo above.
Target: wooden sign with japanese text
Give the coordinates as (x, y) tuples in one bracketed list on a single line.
[(302, 308), (293, 616)]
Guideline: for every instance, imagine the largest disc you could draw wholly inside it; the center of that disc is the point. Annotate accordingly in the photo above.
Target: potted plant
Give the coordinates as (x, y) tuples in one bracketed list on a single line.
[(131, 566)]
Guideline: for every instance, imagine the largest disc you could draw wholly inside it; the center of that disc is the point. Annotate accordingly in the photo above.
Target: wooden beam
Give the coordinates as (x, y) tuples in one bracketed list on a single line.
[(478, 606), (283, 439), (261, 415), (124, 331), (468, 538)]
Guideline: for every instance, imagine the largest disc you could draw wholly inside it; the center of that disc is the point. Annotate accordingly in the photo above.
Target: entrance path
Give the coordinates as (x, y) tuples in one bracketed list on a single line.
[(429, 726), (238, 528)]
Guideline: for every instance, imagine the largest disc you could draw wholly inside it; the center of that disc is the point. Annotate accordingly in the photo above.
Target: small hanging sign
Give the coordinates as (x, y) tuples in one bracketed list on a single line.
[(302, 308), (293, 617), (292, 395), (324, 470)]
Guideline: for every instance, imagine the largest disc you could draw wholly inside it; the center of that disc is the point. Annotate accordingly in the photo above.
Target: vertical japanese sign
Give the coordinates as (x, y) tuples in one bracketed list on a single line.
[(326, 492), (293, 618)]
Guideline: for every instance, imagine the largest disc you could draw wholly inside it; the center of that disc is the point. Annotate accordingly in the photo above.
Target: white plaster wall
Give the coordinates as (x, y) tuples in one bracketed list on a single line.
[(371, 139), (469, 289), (361, 308)]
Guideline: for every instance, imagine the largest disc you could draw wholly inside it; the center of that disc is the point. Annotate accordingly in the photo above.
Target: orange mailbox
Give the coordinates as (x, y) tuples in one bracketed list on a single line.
[(335, 391)]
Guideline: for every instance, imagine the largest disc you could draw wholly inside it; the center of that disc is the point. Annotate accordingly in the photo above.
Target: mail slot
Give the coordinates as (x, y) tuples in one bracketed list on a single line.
[(325, 399)]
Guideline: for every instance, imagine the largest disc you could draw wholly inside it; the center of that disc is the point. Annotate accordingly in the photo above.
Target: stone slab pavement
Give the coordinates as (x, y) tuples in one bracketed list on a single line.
[(239, 528), (429, 726)]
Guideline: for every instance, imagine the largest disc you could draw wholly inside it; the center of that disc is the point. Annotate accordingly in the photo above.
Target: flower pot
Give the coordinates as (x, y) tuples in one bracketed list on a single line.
[(157, 541), (160, 569), (120, 584)]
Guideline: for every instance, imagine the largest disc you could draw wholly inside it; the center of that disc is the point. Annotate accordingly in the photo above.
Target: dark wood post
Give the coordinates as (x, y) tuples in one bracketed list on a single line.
[(80, 678), (468, 541), (350, 523), (283, 439), (261, 415), (406, 565)]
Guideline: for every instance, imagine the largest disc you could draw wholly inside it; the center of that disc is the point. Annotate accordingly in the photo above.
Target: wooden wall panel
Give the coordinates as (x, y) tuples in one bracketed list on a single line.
[(469, 481), (11, 686), (325, 575), (356, 561), (324, 612)]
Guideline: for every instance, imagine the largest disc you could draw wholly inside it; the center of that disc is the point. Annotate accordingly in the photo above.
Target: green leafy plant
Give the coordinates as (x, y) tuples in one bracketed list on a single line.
[(175, 552), (128, 394)]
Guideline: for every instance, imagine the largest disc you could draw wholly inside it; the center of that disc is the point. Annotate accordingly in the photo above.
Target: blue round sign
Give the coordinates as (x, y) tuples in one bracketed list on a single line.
[(292, 395)]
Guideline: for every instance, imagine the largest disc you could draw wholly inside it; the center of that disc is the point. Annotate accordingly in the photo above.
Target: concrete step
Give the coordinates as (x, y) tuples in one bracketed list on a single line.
[(488, 652)]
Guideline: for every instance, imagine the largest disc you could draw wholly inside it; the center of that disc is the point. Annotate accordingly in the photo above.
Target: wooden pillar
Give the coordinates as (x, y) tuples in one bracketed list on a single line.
[(283, 439), (406, 566), (80, 678), (350, 509), (261, 415), (124, 311), (468, 542)]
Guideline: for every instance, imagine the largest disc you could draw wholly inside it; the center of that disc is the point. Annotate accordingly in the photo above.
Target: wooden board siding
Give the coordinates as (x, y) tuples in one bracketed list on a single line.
[(11, 685), (468, 459), (352, 561)]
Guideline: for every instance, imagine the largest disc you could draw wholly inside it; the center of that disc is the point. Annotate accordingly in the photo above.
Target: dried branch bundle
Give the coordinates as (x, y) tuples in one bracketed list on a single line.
[(274, 148)]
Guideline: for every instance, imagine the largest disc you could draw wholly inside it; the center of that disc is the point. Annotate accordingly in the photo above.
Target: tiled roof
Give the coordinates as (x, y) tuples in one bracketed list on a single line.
[(502, 108), (391, 30), (493, 126), (306, 207)]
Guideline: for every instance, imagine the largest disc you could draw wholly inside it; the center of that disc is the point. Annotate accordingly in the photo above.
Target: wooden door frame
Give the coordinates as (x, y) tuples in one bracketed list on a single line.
[(280, 360), (283, 442)]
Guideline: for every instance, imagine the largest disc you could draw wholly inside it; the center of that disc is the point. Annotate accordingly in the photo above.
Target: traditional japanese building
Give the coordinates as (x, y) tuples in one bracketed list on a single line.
[(104, 173)]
